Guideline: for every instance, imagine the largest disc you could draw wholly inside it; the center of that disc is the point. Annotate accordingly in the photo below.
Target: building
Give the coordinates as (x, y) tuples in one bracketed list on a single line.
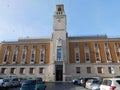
[(61, 58)]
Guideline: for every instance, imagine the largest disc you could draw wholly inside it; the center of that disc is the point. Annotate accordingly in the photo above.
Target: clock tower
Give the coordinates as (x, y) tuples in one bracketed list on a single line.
[(59, 44), (59, 18)]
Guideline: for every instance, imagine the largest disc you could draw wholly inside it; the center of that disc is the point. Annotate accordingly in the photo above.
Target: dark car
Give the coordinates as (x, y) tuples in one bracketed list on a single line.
[(77, 81), (33, 84), (14, 82)]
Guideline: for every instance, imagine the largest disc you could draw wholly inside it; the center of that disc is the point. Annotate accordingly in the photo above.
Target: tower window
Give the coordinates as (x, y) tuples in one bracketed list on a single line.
[(59, 9), (59, 54)]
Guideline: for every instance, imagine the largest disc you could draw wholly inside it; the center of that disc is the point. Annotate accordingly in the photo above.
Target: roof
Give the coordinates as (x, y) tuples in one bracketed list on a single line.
[(28, 40)]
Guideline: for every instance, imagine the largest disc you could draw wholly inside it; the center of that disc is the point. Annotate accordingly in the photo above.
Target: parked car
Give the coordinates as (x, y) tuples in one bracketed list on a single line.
[(93, 84), (6, 83), (1, 81), (15, 82), (117, 77), (110, 84), (84, 80), (77, 81), (21, 80), (33, 84), (96, 86)]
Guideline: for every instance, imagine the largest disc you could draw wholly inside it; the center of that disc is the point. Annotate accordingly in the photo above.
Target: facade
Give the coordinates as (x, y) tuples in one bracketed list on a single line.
[(61, 58)]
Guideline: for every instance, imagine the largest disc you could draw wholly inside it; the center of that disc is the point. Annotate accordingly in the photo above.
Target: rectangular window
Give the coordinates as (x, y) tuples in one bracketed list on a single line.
[(77, 54), (86, 46), (24, 52), (77, 58), (12, 71), (3, 70), (107, 52), (87, 53), (41, 70), (31, 70), (100, 70), (111, 70), (42, 53), (77, 70), (15, 54), (22, 70), (88, 69), (87, 57), (117, 50), (7, 52), (106, 45), (97, 53), (59, 54), (33, 52)]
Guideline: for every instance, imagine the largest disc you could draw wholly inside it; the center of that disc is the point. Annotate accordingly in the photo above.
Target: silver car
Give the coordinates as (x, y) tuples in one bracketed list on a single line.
[(6, 83)]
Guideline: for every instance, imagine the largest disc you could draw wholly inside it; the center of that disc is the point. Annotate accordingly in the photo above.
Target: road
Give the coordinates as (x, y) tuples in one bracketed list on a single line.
[(58, 86)]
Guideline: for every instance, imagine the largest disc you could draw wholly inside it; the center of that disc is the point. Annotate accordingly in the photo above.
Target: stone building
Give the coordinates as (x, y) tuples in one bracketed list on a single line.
[(61, 58)]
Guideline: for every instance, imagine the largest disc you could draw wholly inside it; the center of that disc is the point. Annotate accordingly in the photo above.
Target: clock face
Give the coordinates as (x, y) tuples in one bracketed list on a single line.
[(59, 20)]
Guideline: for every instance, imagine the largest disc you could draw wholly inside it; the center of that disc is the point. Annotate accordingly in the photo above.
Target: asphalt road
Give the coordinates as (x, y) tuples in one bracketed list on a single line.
[(58, 86)]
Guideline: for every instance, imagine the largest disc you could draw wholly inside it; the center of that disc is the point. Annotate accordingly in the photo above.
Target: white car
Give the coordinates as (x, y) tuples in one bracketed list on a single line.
[(110, 84), (90, 82)]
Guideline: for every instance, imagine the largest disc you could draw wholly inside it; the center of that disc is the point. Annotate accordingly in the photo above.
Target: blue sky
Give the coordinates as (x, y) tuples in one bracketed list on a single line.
[(34, 18)]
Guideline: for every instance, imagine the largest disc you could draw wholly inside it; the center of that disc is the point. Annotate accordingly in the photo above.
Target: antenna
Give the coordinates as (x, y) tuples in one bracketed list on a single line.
[(60, 1)]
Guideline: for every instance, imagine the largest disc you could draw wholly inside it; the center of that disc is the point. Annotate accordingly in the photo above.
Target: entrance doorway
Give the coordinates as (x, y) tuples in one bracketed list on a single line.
[(59, 72)]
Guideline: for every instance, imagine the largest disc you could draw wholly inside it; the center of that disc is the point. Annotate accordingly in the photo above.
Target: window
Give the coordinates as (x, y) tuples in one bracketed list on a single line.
[(87, 53), (97, 53), (87, 57), (31, 71), (59, 9), (59, 54), (77, 56), (111, 70), (24, 52), (12, 71), (96, 46), (15, 54), (118, 81), (41, 70), (3, 70), (86, 46), (76, 45), (22, 70), (88, 69), (106, 46), (117, 50), (77, 70), (107, 82), (33, 54), (42, 53), (107, 51), (7, 52), (100, 70)]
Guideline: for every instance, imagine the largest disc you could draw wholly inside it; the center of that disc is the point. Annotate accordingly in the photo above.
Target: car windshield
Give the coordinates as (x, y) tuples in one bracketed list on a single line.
[(29, 82), (97, 81), (6, 80), (107, 82)]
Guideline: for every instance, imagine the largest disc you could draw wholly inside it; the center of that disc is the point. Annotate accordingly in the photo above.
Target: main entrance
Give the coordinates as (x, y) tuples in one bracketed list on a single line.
[(59, 72)]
